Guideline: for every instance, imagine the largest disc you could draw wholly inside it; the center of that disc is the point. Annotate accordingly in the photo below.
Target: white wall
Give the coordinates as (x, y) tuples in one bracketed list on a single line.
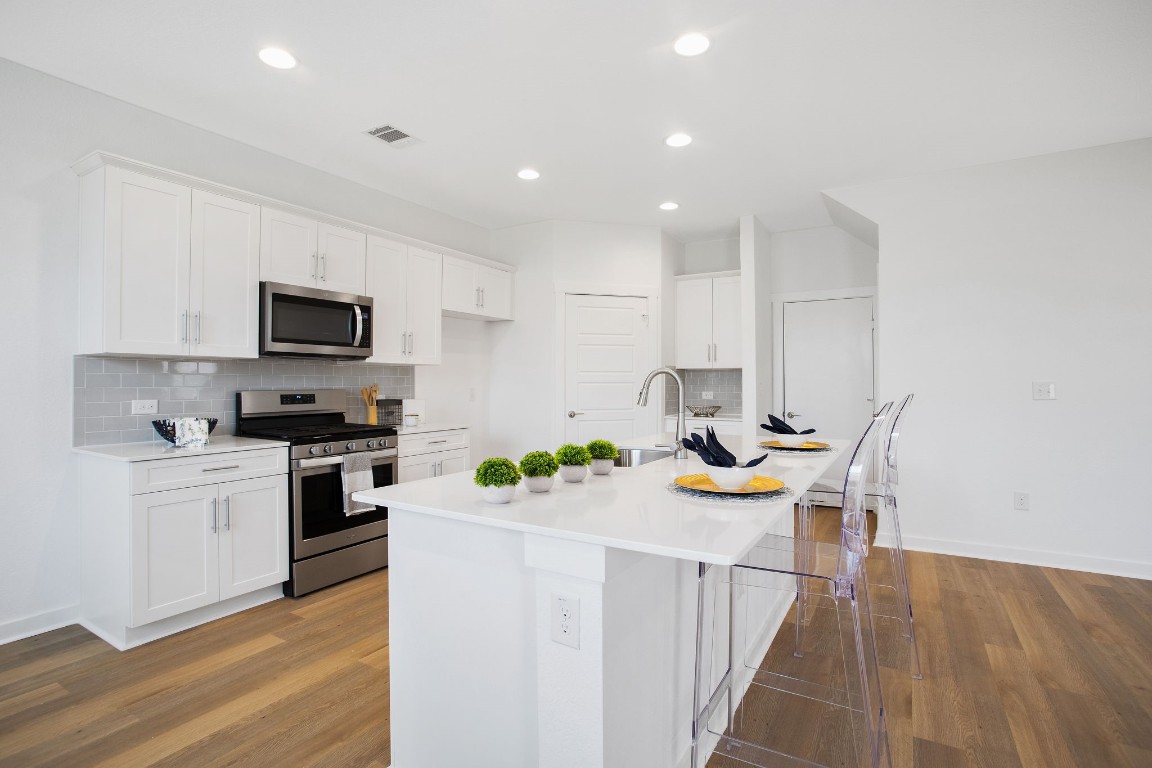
[(710, 256), (45, 125), (551, 256), (757, 258), (456, 391), (819, 259), (997, 276)]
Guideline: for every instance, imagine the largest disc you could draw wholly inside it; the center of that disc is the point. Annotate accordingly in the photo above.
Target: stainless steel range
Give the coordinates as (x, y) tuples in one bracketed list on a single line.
[(327, 545)]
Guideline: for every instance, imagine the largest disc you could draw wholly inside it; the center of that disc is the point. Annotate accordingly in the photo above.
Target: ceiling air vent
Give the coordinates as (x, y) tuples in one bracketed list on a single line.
[(392, 136)]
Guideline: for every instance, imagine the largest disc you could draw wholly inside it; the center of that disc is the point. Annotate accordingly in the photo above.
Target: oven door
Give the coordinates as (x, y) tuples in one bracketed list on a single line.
[(319, 524), (298, 321)]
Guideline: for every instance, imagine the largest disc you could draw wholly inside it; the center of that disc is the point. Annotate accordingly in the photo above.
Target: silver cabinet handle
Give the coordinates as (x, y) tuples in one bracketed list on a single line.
[(411, 343), (708, 348), (227, 513), (217, 469), (481, 298), (324, 267), (477, 298), (792, 415), (196, 339), (315, 264), (574, 414), (436, 442), (184, 325), (213, 515), (403, 343)]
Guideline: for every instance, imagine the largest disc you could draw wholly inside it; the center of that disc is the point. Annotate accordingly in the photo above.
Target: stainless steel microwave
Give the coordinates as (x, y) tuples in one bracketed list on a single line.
[(307, 322)]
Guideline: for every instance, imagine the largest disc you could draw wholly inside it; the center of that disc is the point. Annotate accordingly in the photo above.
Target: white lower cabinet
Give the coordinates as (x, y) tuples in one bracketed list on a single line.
[(155, 562), (432, 454)]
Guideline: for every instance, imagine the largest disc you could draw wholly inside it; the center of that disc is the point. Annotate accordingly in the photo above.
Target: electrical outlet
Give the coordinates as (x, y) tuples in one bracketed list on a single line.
[(1043, 390), (1021, 501), (566, 620), (143, 406), (706, 395)]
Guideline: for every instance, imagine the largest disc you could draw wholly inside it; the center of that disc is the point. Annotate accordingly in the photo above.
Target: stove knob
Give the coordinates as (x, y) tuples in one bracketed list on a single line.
[(350, 447), (371, 443), (328, 448), (314, 450)]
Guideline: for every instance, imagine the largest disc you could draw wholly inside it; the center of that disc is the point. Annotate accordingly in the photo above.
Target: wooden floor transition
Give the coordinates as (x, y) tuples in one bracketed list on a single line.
[(1023, 666)]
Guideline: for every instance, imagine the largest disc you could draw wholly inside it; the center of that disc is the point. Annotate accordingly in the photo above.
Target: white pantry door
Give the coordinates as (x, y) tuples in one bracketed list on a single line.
[(828, 371), (607, 354)]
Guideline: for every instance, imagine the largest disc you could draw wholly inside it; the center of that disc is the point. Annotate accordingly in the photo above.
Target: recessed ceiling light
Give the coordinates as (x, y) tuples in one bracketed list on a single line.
[(529, 174), (669, 206), (278, 58), (678, 140), (691, 44)]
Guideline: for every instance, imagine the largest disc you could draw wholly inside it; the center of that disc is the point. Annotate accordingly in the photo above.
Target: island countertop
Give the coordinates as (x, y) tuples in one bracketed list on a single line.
[(630, 509)]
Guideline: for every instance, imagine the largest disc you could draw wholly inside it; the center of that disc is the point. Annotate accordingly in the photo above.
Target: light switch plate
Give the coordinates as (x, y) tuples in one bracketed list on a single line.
[(143, 406), (706, 395)]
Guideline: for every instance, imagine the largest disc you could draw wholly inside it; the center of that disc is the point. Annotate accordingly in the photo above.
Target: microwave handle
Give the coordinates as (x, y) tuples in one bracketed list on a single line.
[(359, 325)]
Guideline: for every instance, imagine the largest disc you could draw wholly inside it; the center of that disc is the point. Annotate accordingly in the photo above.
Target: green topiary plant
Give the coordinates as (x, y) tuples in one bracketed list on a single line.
[(603, 449), (573, 455), (497, 471), (538, 464)]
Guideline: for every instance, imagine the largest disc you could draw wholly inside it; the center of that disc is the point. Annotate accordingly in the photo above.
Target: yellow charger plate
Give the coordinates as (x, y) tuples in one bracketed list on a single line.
[(702, 482), (809, 446)]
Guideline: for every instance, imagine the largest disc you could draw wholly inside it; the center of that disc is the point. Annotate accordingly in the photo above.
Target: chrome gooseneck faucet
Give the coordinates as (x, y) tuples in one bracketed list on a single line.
[(681, 451)]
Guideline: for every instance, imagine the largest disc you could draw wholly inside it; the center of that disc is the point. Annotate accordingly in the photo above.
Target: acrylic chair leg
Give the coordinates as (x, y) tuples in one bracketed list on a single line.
[(862, 676), (900, 575), (804, 535), (697, 726)]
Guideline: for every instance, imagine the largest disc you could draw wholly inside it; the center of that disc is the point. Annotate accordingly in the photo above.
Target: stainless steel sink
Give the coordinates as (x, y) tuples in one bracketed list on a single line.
[(634, 457)]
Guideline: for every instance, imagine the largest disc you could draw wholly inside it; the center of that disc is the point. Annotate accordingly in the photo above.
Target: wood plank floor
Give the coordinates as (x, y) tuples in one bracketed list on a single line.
[(1023, 667)]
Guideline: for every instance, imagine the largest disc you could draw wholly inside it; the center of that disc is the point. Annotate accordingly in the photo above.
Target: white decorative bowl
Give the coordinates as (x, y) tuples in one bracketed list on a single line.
[(602, 466), (793, 441), (731, 478), (539, 484), (573, 473), (497, 494)]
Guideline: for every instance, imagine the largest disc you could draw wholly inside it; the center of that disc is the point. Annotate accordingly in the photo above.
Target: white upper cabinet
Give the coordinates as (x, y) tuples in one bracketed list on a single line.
[(404, 283), (476, 291), (301, 251), (165, 269), (225, 277), (708, 323)]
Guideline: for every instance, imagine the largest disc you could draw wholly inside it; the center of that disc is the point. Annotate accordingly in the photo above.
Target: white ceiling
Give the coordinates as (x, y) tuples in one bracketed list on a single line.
[(795, 96)]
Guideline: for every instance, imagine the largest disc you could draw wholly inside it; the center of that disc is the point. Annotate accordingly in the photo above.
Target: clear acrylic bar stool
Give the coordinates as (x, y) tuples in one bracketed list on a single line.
[(891, 596), (802, 707)]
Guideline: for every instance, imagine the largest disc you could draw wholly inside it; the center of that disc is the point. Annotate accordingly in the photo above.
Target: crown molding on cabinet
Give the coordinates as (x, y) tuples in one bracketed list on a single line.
[(98, 159)]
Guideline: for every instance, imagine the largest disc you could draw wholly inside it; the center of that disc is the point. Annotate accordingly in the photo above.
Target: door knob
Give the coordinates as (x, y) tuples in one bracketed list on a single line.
[(574, 414), (792, 415)]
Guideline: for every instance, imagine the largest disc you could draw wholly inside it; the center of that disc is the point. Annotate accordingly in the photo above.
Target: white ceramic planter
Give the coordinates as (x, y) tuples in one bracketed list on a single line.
[(497, 494), (539, 484), (573, 473), (602, 466)]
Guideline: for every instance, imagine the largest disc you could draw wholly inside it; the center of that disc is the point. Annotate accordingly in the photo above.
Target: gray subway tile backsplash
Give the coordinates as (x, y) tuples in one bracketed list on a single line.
[(725, 384), (105, 387)]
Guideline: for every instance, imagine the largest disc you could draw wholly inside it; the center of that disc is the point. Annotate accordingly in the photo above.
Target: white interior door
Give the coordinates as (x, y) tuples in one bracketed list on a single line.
[(607, 354), (828, 371)]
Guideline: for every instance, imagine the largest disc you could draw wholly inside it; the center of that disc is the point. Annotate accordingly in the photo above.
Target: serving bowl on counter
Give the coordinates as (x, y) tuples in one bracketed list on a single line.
[(705, 411), (166, 428)]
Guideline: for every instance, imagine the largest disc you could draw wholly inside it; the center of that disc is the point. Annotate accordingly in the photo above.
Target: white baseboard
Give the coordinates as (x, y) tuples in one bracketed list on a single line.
[(11, 631), (1066, 560)]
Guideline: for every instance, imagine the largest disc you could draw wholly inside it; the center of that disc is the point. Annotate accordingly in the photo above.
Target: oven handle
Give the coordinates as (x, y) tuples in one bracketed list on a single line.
[(325, 461), (359, 325)]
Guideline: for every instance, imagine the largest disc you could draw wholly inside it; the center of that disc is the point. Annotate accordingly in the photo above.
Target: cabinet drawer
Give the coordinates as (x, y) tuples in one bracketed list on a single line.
[(188, 471), (412, 445)]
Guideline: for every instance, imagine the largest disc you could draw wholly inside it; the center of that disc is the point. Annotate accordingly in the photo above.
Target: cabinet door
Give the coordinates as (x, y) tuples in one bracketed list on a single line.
[(287, 248), (495, 292), (460, 289), (385, 283), (450, 462), (726, 351), (694, 323), (409, 468), (341, 259), (253, 534), (225, 277), (423, 281), (146, 264), (174, 565)]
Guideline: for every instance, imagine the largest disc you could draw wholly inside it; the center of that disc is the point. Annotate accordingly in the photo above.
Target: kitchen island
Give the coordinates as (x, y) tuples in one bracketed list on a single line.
[(477, 593)]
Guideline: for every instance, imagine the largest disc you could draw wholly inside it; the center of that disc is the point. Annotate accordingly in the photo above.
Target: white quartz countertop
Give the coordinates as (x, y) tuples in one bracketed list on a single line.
[(629, 509), (155, 450), (722, 416), (422, 428)]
